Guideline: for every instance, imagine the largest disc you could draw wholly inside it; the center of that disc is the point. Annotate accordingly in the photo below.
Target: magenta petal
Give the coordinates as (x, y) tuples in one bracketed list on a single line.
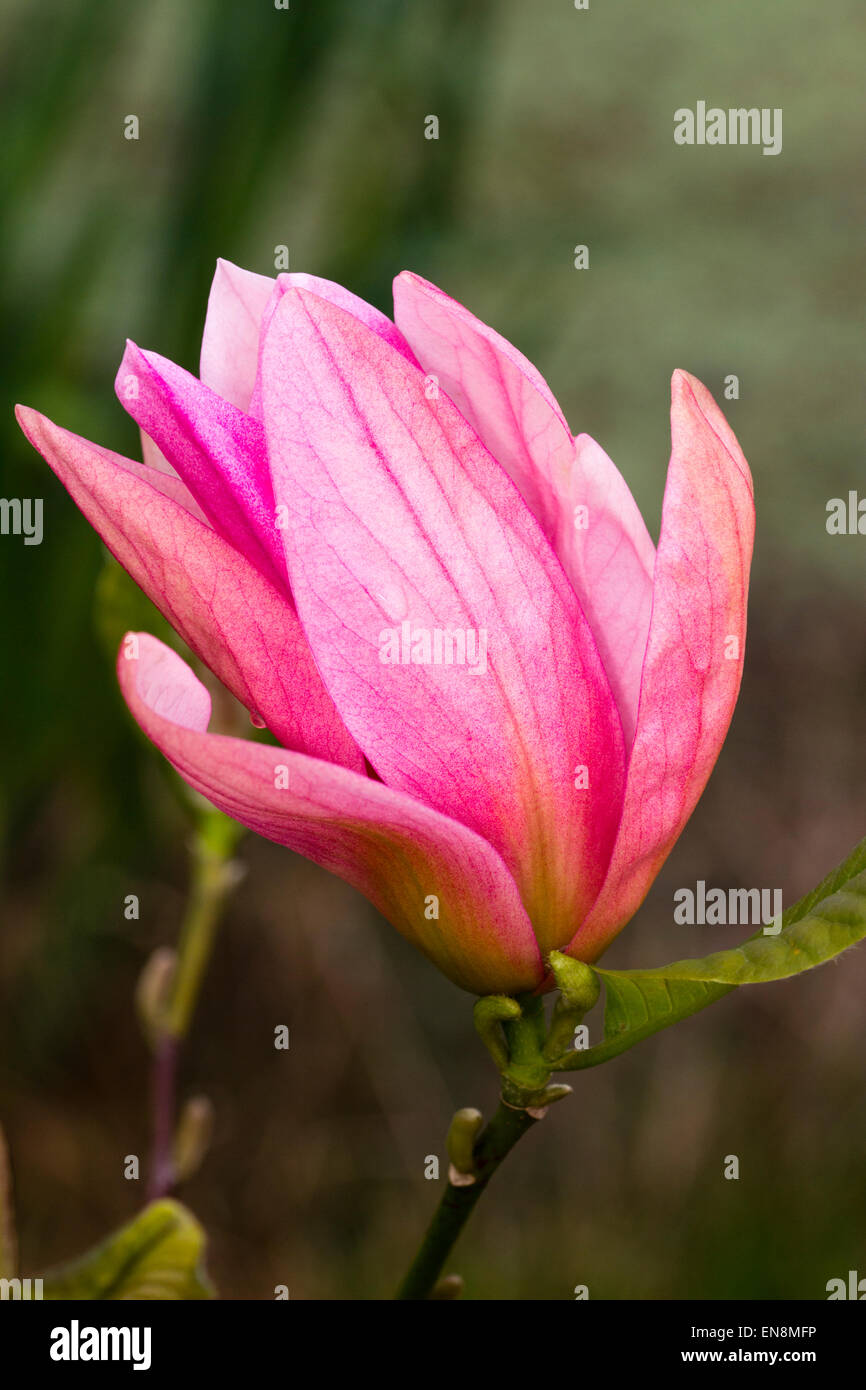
[(694, 658), (401, 516), (217, 449), (573, 489), (407, 859), (225, 610), (230, 342)]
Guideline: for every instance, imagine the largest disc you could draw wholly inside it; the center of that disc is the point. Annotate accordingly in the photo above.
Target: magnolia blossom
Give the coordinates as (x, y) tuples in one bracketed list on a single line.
[(337, 517)]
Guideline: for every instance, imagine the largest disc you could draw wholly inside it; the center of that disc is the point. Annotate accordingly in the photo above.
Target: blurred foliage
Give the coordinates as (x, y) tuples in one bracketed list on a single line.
[(305, 128), (119, 607), (159, 1255)]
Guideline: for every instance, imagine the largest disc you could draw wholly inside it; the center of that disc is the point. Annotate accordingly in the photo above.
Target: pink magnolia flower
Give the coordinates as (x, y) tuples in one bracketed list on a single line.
[(497, 701)]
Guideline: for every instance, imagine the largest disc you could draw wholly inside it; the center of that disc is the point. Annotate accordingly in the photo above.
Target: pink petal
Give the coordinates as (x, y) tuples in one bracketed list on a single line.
[(217, 450), (606, 551), (365, 313), (401, 514), (498, 390), (155, 470), (610, 562), (156, 461), (352, 303), (230, 342), (400, 854), (224, 609), (694, 659)]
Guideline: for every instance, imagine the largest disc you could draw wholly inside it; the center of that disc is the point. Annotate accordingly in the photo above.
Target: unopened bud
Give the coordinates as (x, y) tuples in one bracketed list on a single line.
[(578, 983), (578, 992), (450, 1287), (549, 1096), (192, 1137), (489, 1015), (153, 991), (462, 1135)]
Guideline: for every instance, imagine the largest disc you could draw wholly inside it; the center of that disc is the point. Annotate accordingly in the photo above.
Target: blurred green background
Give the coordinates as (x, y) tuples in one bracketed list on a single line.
[(261, 127)]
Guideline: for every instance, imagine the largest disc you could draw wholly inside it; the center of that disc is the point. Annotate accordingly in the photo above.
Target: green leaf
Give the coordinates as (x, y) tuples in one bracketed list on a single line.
[(159, 1255), (816, 929)]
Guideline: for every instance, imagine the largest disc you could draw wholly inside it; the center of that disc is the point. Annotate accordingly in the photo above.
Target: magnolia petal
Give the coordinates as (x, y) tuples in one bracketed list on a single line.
[(694, 658), (365, 313), (573, 489), (609, 556), (407, 859), (503, 396), (233, 618), (401, 516), (155, 458), (217, 449), (158, 472), (230, 341)]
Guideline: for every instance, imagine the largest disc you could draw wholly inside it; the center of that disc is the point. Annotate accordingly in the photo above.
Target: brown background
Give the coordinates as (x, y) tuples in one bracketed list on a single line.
[(261, 127)]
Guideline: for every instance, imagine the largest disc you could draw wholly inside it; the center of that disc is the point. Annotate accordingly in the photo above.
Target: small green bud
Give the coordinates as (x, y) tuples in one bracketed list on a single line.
[(578, 983), (192, 1137), (462, 1135), (450, 1287), (153, 992), (489, 1014), (549, 1096), (579, 990)]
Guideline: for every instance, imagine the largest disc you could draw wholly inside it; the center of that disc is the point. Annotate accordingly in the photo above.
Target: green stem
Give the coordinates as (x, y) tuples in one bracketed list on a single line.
[(211, 882), (214, 875), (495, 1142)]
